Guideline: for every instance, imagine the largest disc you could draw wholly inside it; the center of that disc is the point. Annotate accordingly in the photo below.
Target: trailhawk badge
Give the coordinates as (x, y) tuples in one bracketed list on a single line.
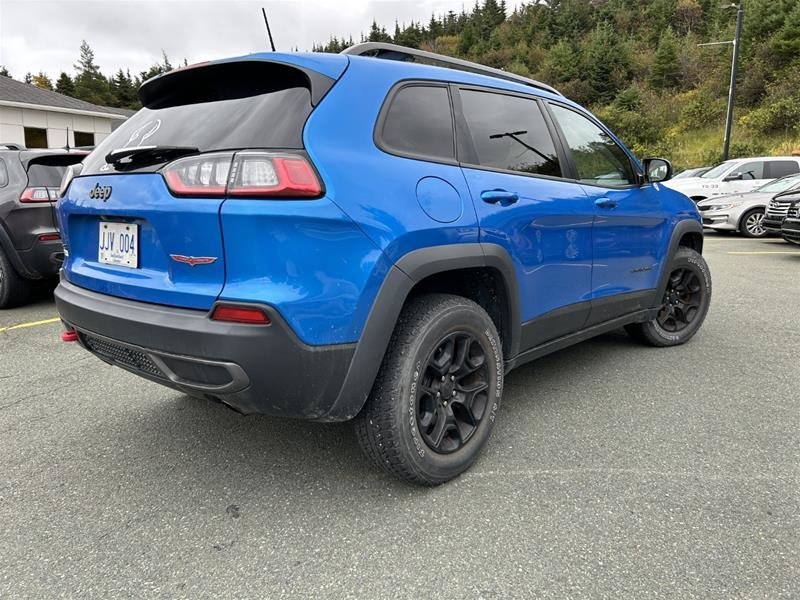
[(193, 261)]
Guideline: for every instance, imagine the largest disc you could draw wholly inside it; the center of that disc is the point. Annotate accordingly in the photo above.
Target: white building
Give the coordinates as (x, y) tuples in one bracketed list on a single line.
[(37, 118)]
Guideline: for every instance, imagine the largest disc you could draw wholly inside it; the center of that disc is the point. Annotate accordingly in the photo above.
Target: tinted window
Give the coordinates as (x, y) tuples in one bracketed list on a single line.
[(419, 122), (598, 158), (84, 138), (751, 170), (3, 173), (46, 171), (35, 137), (272, 120), (509, 132), (781, 168)]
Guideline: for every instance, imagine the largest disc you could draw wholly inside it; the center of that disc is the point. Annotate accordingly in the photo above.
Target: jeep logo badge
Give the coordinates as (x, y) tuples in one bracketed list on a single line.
[(100, 192)]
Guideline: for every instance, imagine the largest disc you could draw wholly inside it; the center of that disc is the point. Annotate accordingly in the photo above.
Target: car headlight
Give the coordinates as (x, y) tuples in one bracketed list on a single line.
[(67, 178), (720, 206)]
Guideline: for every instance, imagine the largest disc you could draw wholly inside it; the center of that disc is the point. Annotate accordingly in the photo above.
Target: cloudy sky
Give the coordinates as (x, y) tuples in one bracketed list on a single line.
[(44, 35)]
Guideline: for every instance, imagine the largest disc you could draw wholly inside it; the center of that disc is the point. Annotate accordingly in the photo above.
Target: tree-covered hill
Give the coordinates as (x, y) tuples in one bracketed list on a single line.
[(637, 63)]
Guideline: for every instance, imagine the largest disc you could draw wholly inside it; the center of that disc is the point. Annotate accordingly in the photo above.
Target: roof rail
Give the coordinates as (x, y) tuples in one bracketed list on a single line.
[(10, 146), (402, 53)]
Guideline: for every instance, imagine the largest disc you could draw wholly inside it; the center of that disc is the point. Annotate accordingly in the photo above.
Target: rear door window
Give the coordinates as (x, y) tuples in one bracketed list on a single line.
[(3, 173), (508, 133), (781, 168), (419, 123)]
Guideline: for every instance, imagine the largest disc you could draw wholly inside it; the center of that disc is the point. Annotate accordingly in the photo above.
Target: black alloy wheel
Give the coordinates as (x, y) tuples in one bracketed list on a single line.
[(454, 393), (682, 300)]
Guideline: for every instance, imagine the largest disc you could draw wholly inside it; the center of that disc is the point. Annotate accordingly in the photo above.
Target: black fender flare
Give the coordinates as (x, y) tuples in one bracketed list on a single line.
[(398, 283), (8, 247), (680, 230)]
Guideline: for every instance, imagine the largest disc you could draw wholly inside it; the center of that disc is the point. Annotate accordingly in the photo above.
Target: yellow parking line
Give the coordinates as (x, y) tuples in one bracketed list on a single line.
[(31, 324), (766, 252)]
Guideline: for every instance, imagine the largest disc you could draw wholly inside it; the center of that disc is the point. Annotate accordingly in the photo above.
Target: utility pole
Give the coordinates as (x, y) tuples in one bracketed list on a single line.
[(736, 41)]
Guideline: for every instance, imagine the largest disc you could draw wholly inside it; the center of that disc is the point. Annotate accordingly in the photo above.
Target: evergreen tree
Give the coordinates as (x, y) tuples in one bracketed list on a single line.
[(64, 85), (28, 78), (4, 71), (561, 64), (606, 65), (90, 85), (665, 70), (378, 34)]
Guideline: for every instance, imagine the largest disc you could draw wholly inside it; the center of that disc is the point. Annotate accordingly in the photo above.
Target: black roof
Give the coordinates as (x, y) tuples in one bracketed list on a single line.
[(12, 90)]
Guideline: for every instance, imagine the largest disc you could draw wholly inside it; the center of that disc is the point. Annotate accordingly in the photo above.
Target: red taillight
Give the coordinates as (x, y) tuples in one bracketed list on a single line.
[(203, 175), (49, 237), (262, 174), (38, 194), (243, 174), (240, 314)]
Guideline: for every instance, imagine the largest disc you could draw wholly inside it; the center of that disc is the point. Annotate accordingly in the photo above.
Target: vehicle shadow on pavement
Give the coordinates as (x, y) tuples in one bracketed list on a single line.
[(209, 442)]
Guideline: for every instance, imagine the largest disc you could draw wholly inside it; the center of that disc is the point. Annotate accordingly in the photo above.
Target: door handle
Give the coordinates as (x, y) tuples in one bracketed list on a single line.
[(502, 196), (605, 203)]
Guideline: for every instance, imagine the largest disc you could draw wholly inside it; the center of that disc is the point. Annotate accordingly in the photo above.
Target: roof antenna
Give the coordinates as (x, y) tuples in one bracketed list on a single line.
[(269, 33)]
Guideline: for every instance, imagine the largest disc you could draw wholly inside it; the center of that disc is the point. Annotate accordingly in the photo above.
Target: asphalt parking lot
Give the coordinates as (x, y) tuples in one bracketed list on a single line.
[(614, 471)]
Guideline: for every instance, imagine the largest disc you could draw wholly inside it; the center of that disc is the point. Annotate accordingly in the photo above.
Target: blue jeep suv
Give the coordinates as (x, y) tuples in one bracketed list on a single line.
[(335, 237)]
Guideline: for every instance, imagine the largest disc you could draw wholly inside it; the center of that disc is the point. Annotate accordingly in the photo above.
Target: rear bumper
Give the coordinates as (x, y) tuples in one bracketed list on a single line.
[(252, 368), (44, 259), (791, 230)]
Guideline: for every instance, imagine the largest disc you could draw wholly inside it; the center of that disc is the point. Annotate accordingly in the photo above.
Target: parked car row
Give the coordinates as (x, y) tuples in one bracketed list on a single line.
[(746, 212), (736, 176)]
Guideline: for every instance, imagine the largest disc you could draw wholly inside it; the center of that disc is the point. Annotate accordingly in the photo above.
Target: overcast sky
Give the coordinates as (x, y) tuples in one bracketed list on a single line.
[(44, 35)]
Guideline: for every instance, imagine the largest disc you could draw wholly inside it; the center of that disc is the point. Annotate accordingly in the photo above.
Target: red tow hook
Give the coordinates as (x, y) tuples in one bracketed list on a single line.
[(70, 335)]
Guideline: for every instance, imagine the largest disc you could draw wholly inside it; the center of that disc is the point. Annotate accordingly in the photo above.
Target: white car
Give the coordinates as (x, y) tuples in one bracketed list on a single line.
[(735, 177)]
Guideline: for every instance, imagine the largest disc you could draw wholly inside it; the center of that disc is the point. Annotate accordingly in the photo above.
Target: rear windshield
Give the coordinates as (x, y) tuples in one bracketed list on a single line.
[(46, 171), (228, 117)]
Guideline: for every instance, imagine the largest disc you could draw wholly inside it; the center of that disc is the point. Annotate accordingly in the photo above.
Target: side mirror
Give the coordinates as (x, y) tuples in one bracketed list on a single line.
[(657, 169), (734, 177)]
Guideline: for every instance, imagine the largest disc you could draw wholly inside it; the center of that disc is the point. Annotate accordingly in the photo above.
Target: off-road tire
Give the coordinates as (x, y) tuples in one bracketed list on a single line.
[(388, 428), (653, 332), (14, 288)]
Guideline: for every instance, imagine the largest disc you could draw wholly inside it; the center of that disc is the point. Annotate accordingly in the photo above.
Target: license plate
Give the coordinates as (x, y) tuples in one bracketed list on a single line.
[(118, 244)]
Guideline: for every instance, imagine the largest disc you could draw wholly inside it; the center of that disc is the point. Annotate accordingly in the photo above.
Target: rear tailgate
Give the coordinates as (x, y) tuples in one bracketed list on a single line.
[(162, 227), (176, 257)]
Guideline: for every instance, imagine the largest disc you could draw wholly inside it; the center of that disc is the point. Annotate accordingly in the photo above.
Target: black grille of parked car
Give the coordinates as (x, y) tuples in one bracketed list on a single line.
[(122, 355), (794, 211)]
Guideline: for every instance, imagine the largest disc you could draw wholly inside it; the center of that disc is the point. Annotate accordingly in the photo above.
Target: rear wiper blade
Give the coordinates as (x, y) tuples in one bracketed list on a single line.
[(130, 155)]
